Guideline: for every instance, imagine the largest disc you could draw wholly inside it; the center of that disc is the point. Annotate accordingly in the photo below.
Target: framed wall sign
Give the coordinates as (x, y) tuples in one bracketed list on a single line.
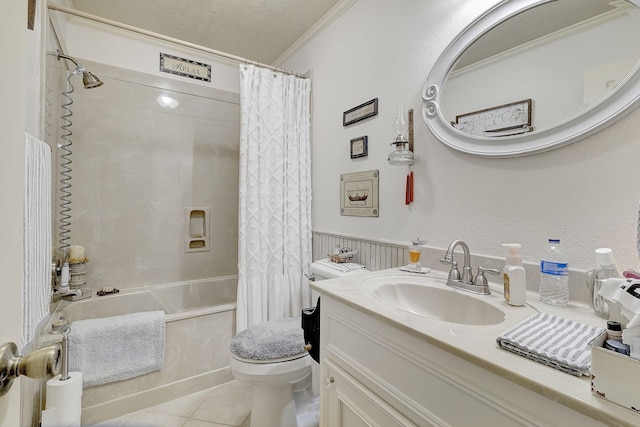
[(359, 194), (359, 147), (504, 120), (361, 112), (185, 67)]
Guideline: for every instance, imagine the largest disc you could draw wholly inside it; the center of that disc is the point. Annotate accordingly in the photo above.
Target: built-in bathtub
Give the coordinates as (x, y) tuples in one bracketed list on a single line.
[(200, 322)]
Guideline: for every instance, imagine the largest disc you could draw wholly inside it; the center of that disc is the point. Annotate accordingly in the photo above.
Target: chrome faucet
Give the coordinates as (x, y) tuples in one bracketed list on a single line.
[(465, 280)]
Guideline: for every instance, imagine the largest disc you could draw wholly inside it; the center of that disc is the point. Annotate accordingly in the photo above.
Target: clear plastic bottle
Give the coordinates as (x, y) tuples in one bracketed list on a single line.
[(554, 276)]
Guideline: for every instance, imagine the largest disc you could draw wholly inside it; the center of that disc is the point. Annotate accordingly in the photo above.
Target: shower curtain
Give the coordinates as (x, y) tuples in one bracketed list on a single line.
[(274, 230)]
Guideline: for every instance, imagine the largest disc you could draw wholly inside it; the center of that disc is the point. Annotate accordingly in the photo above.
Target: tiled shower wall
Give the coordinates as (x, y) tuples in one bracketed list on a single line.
[(138, 166)]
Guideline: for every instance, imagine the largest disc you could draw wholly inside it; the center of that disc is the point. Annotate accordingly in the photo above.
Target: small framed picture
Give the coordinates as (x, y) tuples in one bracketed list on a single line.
[(361, 112), (359, 147)]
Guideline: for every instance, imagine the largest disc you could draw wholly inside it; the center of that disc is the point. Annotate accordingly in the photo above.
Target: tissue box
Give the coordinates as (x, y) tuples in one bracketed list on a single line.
[(614, 377)]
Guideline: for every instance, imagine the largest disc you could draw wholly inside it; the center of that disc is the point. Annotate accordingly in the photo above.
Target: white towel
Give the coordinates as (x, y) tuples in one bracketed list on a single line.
[(554, 341), (343, 267), (36, 251), (116, 348)]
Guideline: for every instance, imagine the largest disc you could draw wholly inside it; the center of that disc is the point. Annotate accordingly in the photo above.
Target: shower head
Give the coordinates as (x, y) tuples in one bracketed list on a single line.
[(88, 79)]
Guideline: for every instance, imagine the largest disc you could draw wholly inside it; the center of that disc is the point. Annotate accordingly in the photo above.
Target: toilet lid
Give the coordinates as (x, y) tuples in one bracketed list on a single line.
[(275, 339)]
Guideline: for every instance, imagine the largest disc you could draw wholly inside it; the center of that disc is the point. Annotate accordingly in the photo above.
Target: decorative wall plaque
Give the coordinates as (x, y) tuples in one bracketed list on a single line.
[(359, 194), (185, 67), (504, 120), (359, 147), (361, 112)]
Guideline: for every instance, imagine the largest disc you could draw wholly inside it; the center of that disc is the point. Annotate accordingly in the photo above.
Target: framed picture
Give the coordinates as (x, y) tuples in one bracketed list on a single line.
[(359, 147), (185, 67), (508, 119), (361, 112), (359, 194)]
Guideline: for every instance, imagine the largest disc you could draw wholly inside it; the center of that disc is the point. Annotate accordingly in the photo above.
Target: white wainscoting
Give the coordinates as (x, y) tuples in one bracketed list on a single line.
[(376, 255)]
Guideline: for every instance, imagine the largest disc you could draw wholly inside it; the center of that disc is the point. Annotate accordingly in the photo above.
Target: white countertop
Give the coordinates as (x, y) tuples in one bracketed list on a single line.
[(477, 344)]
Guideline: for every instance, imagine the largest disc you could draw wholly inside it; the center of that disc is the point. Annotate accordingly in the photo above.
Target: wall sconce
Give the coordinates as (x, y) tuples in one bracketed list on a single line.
[(403, 153)]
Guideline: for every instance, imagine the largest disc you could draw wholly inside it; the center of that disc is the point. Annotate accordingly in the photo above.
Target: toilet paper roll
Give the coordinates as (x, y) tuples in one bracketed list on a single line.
[(60, 393), (63, 416)]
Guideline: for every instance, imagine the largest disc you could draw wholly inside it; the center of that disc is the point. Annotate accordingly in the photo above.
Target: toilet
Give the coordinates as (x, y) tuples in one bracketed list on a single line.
[(272, 358)]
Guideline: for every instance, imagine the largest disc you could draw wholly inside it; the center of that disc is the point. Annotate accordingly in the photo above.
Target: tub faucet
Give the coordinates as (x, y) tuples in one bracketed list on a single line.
[(464, 280)]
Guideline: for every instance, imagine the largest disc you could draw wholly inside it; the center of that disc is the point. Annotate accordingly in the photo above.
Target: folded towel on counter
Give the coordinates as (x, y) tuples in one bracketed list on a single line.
[(117, 348), (343, 267), (557, 342)]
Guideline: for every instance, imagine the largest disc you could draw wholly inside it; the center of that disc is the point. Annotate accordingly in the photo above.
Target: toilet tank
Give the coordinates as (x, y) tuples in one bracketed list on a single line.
[(325, 269)]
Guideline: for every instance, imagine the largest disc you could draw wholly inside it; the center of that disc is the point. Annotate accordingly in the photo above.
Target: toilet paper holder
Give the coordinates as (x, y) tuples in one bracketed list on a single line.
[(43, 363)]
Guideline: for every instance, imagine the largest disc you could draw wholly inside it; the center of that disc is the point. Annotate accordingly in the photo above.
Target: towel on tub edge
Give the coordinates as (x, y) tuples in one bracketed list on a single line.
[(117, 348)]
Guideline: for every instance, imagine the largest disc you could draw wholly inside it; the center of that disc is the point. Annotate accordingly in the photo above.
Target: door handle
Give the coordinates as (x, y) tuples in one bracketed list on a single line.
[(43, 363)]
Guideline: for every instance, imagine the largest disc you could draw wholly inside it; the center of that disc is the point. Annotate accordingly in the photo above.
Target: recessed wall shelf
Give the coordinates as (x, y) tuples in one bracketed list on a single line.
[(197, 230)]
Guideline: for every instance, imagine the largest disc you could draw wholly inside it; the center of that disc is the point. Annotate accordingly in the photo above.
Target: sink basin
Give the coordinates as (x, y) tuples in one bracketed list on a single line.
[(439, 304)]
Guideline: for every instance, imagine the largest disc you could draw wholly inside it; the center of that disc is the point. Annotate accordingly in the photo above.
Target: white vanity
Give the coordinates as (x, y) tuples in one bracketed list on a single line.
[(383, 365)]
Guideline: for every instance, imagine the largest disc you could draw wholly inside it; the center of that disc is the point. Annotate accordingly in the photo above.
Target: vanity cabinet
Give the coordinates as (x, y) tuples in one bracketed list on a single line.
[(375, 372)]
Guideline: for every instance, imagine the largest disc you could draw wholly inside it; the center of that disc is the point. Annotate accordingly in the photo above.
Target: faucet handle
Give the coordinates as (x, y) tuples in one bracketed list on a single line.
[(454, 274), (448, 259), (481, 279)]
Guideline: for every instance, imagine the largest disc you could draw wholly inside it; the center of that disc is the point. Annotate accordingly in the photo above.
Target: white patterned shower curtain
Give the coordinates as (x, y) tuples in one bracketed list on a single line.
[(274, 230)]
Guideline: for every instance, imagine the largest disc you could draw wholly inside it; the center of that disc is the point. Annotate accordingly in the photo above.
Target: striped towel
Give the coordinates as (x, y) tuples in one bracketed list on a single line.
[(557, 342), (343, 267)]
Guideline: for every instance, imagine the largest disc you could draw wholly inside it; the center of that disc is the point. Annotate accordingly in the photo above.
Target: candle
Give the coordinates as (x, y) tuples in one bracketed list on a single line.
[(76, 252)]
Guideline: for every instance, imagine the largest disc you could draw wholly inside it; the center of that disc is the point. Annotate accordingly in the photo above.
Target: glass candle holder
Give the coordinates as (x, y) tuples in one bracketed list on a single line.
[(415, 255)]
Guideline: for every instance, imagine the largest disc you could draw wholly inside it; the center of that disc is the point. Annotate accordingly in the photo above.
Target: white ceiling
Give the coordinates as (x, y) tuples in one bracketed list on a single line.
[(260, 30)]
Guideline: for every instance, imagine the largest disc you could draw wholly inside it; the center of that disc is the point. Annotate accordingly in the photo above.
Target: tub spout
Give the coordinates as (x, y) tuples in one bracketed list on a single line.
[(72, 295)]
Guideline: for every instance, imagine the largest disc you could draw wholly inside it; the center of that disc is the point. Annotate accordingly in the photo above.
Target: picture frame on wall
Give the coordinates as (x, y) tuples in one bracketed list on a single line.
[(359, 147), (359, 194), (361, 112), (513, 118)]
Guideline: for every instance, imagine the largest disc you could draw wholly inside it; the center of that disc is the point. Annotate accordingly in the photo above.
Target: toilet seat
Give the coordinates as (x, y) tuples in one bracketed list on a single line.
[(271, 352), (270, 342), (261, 362)]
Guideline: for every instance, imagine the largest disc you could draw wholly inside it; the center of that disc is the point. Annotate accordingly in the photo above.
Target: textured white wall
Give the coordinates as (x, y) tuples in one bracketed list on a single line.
[(585, 194)]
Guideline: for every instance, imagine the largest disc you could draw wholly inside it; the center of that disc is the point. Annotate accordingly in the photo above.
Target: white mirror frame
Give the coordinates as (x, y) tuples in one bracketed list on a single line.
[(589, 121)]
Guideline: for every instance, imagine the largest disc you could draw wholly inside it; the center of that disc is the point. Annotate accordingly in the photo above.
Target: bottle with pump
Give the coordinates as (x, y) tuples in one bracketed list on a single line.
[(514, 276)]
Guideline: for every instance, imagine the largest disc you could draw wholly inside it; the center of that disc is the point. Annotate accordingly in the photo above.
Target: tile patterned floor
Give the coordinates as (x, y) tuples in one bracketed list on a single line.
[(227, 405)]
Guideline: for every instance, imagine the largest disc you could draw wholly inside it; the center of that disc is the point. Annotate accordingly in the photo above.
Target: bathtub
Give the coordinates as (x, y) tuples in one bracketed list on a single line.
[(200, 322)]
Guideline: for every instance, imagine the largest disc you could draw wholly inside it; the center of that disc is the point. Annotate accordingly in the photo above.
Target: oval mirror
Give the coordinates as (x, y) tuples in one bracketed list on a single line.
[(529, 76)]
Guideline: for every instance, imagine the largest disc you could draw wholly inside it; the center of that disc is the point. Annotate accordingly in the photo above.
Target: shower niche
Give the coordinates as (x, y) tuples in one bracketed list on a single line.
[(197, 236)]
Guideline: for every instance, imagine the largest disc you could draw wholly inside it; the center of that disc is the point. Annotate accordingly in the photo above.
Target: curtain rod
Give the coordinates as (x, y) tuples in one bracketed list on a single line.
[(137, 30)]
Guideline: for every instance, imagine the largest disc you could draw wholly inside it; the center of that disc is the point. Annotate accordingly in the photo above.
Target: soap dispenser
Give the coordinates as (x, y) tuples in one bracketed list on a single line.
[(514, 276)]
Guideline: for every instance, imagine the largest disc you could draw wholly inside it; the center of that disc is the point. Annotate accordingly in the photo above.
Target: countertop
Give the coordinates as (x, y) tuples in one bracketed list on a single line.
[(477, 344)]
